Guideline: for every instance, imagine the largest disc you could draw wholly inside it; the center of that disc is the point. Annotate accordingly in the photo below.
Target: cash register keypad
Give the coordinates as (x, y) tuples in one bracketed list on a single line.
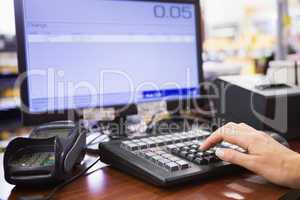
[(177, 151)]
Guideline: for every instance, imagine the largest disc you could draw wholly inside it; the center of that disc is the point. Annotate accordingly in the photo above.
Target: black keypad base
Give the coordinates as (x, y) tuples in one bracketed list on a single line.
[(165, 159)]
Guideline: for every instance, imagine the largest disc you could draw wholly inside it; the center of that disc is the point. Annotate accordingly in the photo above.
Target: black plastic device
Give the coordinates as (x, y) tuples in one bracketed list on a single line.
[(47, 156), (170, 159), (165, 160), (267, 108)]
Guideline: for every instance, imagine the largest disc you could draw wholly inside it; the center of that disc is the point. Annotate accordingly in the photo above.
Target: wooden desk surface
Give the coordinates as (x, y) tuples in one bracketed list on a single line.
[(105, 183)]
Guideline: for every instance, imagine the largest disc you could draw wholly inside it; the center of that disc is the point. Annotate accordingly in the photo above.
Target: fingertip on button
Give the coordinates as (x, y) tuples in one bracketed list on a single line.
[(202, 147)]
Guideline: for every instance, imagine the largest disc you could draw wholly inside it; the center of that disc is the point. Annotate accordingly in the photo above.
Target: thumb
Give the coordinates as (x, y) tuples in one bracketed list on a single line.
[(237, 158)]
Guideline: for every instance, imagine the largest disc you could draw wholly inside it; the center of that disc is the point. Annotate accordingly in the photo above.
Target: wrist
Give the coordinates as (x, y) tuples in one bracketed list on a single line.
[(292, 167)]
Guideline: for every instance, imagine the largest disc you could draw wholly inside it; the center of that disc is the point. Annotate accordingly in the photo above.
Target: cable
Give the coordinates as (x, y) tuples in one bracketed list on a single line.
[(153, 120), (95, 140), (59, 187)]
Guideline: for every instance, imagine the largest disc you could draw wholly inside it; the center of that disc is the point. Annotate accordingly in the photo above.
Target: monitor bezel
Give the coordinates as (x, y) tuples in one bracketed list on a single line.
[(29, 119)]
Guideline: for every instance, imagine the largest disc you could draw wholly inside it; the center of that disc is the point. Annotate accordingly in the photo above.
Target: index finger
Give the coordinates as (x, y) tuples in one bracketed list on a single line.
[(231, 133)]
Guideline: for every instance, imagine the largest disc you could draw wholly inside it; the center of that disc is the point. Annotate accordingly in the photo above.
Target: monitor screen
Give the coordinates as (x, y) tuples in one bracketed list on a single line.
[(7, 23), (102, 53)]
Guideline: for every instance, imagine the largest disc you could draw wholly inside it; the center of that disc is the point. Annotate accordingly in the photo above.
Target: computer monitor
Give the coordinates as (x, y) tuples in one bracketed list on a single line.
[(82, 54), (7, 25)]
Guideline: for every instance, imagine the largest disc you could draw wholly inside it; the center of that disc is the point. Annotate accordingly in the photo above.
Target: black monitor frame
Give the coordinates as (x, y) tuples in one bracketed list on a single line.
[(35, 119)]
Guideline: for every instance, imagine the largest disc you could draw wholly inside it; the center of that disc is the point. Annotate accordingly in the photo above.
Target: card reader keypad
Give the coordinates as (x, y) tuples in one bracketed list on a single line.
[(33, 160)]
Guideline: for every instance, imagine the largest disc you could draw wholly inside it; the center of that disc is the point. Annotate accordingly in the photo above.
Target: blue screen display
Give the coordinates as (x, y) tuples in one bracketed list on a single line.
[(95, 53)]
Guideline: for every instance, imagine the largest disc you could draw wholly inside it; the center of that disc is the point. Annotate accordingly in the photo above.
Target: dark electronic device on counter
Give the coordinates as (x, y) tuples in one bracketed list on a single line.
[(170, 159), (48, 155), (264, 106)]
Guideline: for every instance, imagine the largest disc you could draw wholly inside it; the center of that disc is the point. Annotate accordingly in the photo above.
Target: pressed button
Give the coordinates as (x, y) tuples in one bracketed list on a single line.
[(194, 146), (192, 151)]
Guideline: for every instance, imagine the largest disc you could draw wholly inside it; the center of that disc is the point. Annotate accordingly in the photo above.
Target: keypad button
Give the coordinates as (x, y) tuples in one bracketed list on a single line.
[(132, 147), (151, 144), (201, 161), (176, 151), (171, 147), (152, 138), (205, 133), (145, 140), (160, 152), (192, 151), (183, 153), (159, 142), (149, 155), (199, 154), (209, 153), (142, 145), (180, 145), (126, 142), (176, 139), (182, 138), (156, 158), (172, 166), (190, 157), (188, 143), (167, 155), (185, 149), (196, 142), (163, 161), (194, 146), (183, 164), (191, 137), (174, 158)]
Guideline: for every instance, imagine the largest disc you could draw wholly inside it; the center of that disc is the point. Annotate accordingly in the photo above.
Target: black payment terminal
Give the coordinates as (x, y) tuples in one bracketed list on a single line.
[(48, 155)]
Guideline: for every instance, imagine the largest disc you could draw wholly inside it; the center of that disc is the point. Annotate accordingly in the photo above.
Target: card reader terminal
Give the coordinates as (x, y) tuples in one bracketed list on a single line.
[(48, 155)]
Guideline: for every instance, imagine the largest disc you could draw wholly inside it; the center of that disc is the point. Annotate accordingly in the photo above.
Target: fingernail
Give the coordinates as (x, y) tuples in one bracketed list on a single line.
[(220, 153), (201, 147)]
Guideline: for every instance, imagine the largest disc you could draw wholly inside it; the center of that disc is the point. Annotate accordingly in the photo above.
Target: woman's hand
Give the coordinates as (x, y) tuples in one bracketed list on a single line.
[(265, 156)]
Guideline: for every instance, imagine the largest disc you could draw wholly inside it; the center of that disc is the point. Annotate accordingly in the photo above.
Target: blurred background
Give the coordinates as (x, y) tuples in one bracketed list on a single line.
[(240, 37)]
